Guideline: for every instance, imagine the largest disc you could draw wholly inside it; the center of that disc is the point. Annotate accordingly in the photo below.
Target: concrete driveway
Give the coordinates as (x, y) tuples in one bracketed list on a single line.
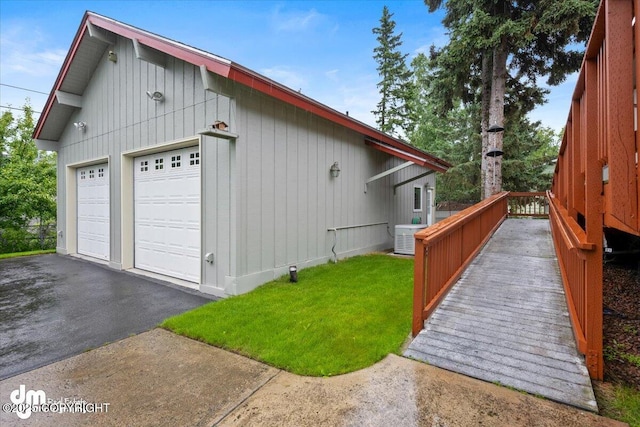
[(160, 379), (53, 307)]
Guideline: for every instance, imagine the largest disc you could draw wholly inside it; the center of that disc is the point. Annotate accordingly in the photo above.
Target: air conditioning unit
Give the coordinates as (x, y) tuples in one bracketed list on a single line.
[(404, 241)]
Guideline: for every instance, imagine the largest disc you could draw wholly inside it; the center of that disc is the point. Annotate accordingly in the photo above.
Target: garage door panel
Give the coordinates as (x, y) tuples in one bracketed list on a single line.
[(167, 214), (93, 211)]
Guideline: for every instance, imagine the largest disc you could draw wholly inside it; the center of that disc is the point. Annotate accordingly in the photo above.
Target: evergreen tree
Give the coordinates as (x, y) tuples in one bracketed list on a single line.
[(393, 114), (452, 133), (507, 45)]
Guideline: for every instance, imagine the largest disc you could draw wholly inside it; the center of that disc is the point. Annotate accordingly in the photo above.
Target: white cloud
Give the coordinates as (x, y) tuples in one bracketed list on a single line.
[(357, 94), (25, 50), (285, 76), (555, 112), (436, 36), (332, 74), (294, 21)]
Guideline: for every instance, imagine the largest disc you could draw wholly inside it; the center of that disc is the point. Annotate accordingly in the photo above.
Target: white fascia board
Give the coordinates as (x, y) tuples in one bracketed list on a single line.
[(100, 34), (47, 145), (70, 99), (149, 54)]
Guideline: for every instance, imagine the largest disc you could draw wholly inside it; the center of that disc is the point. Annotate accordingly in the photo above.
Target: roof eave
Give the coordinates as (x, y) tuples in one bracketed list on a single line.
[(234, 72)]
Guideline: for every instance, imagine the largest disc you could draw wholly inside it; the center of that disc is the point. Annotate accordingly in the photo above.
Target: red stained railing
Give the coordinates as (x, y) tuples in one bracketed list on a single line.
[(535, 205), (445, 249), (596, 182)]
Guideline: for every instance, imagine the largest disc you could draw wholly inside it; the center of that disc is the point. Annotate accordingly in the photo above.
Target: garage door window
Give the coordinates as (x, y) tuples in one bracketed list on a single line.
[(175, 161), (194, 159), (159, 163)]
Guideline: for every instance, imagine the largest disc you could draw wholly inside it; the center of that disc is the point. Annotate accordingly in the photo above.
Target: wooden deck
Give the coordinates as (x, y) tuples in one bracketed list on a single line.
[(506, 320)]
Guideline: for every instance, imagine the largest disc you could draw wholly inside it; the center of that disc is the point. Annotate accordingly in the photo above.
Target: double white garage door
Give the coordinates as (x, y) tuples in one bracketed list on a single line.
[(166, 213)]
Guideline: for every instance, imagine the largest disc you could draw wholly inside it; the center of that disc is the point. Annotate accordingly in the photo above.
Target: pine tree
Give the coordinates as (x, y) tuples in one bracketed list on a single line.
[(515, 43), (393, 114)]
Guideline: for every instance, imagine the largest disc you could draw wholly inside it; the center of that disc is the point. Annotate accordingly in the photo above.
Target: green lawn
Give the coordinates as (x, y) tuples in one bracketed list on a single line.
[(17, 254), (338, 318)]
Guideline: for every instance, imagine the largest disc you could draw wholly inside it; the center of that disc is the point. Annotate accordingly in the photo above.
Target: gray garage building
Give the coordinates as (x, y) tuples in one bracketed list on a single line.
[(176, 162)]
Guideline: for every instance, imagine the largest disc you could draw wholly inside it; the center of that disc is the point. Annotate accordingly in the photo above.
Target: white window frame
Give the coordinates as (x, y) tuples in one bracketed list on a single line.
[(419, 199)]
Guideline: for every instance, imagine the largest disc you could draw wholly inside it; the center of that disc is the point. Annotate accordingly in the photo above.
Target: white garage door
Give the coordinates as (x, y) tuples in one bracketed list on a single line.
[(167, 213), (93, 211)]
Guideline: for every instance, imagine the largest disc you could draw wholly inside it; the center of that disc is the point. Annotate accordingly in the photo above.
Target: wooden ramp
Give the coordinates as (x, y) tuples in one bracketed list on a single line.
[(506, 320)]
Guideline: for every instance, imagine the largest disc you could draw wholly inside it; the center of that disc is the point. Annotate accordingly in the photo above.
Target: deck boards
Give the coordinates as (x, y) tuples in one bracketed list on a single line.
[(506, 320)]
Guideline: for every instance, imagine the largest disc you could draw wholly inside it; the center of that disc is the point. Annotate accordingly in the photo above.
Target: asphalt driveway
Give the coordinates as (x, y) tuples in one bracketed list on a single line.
[(53, 307)]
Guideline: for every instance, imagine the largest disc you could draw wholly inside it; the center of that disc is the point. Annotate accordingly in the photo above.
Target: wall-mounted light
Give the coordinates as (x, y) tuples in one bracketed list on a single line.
[(112, 56), (155, 96), (81, 126), (335, 170)]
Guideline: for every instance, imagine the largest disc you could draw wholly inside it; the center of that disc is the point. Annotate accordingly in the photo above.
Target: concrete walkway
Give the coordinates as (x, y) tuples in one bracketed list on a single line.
[(161, 379), (506, 320)]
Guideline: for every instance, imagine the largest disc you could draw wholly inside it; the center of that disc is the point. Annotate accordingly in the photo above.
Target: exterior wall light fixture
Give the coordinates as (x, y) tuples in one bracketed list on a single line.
[(155, 96), (81, 126), (335, 170)]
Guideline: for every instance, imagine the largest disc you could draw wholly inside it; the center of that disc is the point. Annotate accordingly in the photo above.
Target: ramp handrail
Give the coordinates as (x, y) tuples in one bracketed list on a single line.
[(445, 249)]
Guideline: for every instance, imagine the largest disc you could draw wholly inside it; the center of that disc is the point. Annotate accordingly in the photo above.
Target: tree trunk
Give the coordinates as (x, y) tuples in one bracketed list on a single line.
[(493, 181), (484, 118)]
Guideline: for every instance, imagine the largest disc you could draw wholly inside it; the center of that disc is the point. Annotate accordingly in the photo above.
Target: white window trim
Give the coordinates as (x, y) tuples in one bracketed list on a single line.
[(413, 198)]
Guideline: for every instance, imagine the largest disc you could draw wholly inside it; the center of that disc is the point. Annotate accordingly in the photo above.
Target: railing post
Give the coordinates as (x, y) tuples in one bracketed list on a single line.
[(594, 220), (419, 286)]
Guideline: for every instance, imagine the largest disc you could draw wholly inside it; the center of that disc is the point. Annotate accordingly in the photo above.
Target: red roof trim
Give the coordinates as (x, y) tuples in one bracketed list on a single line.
[(241, 75), (63, 72), (161, 44), (402, 154)]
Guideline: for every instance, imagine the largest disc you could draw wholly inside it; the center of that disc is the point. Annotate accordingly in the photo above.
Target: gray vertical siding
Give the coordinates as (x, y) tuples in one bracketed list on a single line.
[(120, 117), (267, 198), (401, 204), (286, 197)]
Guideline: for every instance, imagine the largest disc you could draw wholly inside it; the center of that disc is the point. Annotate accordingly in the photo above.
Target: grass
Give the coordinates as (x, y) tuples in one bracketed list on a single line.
[(29, 253), (617, 351), (336, 319), (619, 402)]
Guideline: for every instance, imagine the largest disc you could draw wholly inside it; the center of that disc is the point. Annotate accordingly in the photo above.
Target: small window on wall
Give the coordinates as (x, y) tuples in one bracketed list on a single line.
[(417, 199)]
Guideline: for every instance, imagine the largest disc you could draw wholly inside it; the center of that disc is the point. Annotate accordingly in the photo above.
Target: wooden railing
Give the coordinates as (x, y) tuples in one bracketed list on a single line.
[(534, 205), (445, 249), (596, 182), (583, 294)]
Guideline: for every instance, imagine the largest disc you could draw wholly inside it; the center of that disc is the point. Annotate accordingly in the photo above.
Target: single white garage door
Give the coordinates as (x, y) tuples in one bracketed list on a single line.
[(93, 211), (167, 213)]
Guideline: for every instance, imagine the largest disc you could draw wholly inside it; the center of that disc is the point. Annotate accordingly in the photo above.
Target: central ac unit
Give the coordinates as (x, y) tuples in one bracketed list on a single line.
[(404, 241)]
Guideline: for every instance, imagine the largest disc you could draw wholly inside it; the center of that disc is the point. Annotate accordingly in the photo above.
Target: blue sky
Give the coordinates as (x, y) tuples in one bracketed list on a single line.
[(324, 48)]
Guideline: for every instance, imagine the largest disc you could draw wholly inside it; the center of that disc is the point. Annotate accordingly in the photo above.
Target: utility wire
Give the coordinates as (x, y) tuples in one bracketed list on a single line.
[(19, 109), (22, 88)]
